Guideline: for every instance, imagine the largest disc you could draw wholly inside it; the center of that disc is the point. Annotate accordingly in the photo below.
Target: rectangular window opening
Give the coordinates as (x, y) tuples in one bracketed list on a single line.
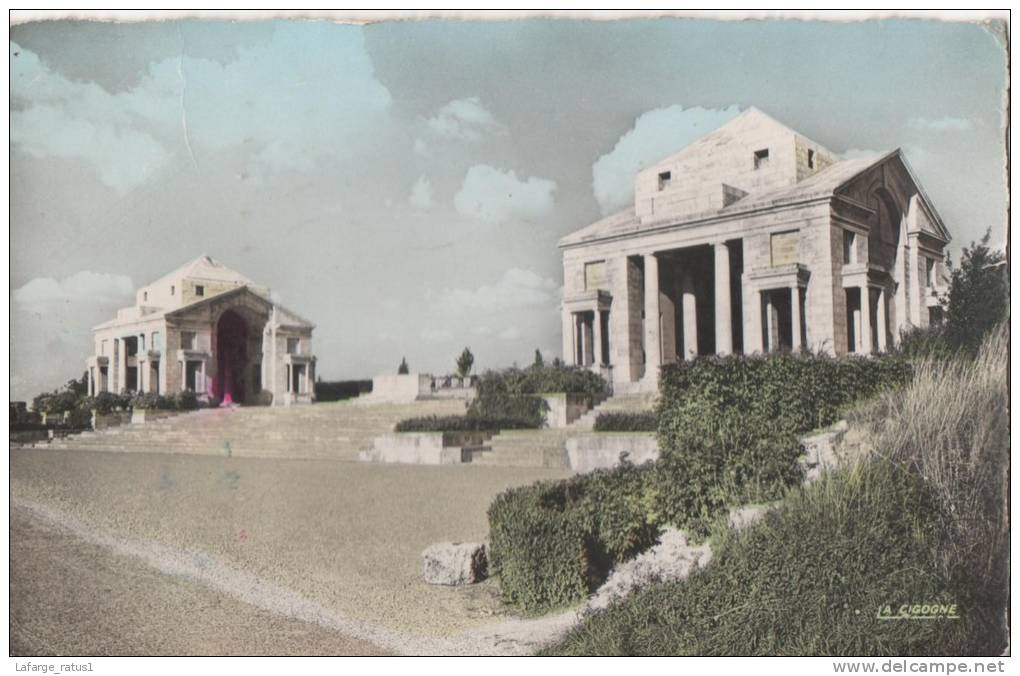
[(172, 289), (664, 178), (187, 340), (199, 290), (811, 159), (761, 158)]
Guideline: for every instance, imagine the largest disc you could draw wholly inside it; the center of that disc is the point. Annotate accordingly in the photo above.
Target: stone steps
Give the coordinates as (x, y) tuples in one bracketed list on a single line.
[(548, 447), (526, 448), (639, 402), (330, 430)]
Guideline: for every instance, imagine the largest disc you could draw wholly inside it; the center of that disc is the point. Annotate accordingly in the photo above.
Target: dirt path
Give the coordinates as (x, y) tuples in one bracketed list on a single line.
[(72, 596), (80, 591), (329, 544)]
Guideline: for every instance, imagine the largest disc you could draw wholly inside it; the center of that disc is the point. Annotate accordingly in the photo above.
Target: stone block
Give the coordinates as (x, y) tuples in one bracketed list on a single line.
[(455, 563)]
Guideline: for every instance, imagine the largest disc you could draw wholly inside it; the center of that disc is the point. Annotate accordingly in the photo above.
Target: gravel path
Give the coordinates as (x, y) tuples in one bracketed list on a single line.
[(332, 544), (71, 596)]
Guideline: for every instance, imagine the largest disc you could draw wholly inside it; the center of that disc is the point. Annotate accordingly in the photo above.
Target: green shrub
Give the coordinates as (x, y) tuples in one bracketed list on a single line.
[(462, 423), (341, 389), (729, 427), (513, 392), (107, 402), (626, 422), (184, 401), (809, 580), (552, 543), (978, 296), (729, 431), (152, 401), (541, 554)]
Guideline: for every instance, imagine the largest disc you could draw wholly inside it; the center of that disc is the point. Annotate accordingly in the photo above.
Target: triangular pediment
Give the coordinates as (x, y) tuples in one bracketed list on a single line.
[(893, 176)]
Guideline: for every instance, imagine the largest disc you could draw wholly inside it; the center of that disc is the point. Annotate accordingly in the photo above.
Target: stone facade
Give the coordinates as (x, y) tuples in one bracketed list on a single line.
[(207, 329), (752, 239)]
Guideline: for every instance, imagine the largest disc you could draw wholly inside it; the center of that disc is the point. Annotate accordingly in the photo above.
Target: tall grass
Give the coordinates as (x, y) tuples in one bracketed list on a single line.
[(951, 428)]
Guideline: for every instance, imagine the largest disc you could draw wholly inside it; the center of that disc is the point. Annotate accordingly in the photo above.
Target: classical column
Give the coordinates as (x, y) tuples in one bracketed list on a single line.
[(723, 311), (770, 325), (184, 375), (596, 347), (122, 367), (751, 298), (795, 316), (583, 333), (865, 342), (690, 310), (569, 339), (89, 384), (881, 319), (653, 345)]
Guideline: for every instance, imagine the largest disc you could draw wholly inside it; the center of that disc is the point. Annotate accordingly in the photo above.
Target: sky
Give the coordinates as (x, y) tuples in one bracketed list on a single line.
[(404, 184)]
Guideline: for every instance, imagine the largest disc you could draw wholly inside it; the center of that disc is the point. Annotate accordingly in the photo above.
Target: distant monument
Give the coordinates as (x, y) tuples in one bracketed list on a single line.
[(210, 330), (752, 239)]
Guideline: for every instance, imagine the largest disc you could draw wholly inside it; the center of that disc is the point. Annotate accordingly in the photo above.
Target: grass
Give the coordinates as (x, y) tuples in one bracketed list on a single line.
[(921, 518)]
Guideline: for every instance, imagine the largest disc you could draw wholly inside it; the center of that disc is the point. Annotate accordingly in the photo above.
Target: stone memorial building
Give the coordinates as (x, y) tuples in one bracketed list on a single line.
[(207, 329), (752, 239)]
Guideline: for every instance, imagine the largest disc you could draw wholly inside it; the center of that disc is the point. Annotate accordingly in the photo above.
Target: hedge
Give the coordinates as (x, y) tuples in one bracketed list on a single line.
[(461, 423), (626, 422), (341, 389), (513, 392), (554, 542), (729, 432), (729, 427)]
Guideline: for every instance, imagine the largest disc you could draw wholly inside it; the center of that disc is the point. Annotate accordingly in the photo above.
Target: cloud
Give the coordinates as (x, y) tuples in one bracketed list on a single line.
[(656, 134), (861, 154), (421, 194), (517, 288), (307, 93), (510, 333), (493, 196), (940, 124), (435, 335), (465, 120), (81, 287), (52, 116)]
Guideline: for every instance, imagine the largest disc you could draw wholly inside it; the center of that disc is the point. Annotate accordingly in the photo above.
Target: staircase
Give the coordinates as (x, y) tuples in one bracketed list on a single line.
[(548, 447), (637, 402), (334, 430)]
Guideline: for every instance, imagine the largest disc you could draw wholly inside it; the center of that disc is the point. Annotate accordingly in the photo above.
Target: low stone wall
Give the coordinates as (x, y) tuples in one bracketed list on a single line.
[(140, 416), (399, 388), (30, 436), (414, 448), (101, 421), (564, 409), (602, 450)]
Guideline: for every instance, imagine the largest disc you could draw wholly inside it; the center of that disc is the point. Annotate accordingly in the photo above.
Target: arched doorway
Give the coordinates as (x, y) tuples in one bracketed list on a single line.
[(231, 358)]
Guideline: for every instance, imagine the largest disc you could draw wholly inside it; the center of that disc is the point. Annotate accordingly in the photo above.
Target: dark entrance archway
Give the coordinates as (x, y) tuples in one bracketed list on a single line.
[(231, 358)]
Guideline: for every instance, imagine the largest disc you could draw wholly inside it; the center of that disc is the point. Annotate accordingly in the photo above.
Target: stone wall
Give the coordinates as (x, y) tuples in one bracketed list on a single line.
[(602, 450), (414, 448)]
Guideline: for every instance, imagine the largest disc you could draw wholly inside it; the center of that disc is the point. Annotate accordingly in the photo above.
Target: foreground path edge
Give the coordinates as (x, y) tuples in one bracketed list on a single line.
[(508, 637)]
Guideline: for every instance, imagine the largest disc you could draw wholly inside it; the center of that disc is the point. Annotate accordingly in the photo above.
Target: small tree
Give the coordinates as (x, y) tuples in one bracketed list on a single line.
[(403, 370), (978, 295), (538, 358), (464, 363)]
